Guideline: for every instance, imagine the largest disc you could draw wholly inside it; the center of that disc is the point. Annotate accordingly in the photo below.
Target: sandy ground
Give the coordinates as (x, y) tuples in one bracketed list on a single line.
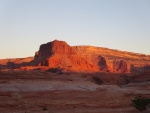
[(67, 94)]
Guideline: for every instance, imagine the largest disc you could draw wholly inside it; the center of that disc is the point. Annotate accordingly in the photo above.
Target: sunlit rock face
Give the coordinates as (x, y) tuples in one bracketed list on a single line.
[(58, 54), (55, 47), (115, 60)]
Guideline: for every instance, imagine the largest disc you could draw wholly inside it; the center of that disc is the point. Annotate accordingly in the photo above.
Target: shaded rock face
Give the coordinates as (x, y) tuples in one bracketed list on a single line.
[(120, 66), (58, 54), (15, 63), (102, 63)]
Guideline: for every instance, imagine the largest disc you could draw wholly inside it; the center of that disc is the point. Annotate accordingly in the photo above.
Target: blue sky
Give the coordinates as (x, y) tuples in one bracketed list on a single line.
[(116, 24)]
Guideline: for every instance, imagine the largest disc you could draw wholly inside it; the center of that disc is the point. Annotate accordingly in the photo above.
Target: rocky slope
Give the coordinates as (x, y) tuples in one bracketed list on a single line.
[(14, 63), (117, 61)]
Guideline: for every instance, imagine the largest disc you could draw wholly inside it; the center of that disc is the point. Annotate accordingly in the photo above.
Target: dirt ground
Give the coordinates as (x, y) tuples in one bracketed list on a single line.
[(44, 92)]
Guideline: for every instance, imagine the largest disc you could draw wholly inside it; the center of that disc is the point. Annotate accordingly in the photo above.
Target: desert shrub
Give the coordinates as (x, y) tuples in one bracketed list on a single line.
[(4, 73), (123, 80), (97, 80), (55, 70), (141, 103)]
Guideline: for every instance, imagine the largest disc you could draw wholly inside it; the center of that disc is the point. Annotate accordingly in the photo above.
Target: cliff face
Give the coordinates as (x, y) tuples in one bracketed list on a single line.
[(58, 54), (55, 47)]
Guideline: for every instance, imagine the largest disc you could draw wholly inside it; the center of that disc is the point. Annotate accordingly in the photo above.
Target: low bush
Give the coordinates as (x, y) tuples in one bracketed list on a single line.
[(44, 109), (97, 80), (141, 103)]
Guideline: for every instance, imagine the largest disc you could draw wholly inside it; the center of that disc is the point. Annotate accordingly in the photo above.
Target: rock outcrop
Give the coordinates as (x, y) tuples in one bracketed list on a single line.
[(120, 66), (58, 54), (54, 47), (117, 61)]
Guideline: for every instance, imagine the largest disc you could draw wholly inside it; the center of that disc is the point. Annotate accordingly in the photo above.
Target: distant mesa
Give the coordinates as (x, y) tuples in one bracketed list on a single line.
[(59, 56)]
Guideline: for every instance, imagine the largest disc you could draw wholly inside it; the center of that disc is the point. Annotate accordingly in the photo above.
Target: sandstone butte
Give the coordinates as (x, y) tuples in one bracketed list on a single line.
[(59, 56)]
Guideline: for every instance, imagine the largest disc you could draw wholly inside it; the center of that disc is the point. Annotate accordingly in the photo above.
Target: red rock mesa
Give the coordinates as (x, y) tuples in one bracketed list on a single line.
[(59, 55)]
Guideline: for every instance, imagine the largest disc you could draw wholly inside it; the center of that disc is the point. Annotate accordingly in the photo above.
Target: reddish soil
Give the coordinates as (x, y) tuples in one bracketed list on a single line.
[(38, 91)]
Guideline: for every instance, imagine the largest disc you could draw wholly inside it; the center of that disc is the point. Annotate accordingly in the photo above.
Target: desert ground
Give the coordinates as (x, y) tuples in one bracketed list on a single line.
[(36, 91)]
